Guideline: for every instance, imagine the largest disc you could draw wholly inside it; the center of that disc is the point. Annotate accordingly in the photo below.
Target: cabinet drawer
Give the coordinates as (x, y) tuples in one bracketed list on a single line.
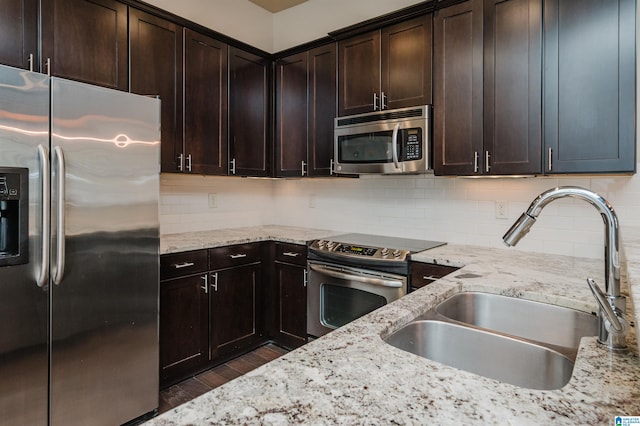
[(183, 264), (240, 254), (291, 253), (423, 274)]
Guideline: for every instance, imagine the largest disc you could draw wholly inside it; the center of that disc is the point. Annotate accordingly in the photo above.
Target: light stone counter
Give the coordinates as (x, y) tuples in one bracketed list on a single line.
[(351, 376), (174, 243)]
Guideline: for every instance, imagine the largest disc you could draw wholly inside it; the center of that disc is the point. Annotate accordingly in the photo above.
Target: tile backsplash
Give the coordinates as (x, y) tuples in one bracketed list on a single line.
[(457, 210)]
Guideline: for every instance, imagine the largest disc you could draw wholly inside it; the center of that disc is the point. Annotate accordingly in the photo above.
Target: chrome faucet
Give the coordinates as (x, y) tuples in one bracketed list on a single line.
[(612, 305)]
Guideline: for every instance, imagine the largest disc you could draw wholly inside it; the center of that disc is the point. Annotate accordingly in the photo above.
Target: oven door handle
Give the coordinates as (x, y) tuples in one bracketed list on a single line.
[(375, 280)]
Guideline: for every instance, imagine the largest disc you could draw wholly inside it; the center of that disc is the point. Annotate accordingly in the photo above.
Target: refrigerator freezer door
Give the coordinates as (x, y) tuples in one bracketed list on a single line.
[(104, 254), (24, 125)]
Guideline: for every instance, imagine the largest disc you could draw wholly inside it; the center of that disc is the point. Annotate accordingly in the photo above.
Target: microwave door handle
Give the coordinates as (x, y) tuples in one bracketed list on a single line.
[(353, 277), (394, 145)]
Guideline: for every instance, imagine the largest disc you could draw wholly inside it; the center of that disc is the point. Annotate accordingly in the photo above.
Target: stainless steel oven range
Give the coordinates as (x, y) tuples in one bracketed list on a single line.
[(353, 274)]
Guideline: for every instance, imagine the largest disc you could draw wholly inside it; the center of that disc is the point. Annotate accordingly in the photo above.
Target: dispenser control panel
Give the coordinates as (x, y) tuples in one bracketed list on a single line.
[(14, 216)]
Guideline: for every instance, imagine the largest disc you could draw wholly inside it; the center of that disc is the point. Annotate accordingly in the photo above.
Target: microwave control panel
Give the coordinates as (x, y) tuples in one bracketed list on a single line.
[(412, 143)]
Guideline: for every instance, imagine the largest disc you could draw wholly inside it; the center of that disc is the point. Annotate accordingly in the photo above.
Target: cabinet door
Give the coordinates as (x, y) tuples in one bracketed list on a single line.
[(248, 114), (589, 86), (205, 104), (18, 32), (322, 110), (234, 309), (184, 326), (156, 69), (86, 40), (457, 76), (291, 115), (359, 74), (292, 305), (512, 86), (406, 62)]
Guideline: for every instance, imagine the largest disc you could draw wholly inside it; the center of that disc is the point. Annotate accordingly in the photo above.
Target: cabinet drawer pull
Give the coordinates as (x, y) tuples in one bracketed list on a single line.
[(237, 256), (182, 265), (430, 278), (290, 254)]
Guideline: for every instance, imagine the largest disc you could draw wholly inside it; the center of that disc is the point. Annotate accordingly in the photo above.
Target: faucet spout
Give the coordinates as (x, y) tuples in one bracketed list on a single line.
[(611, 248)]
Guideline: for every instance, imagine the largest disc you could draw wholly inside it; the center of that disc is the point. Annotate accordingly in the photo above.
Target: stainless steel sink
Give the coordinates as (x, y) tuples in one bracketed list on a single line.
[(484, 353), (541, 322)]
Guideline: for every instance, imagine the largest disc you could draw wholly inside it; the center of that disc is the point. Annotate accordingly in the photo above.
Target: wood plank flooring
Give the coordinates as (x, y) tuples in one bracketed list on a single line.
[(187, 390)]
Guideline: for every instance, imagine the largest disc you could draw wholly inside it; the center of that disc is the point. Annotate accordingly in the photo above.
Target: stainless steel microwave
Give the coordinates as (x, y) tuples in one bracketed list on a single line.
[(384, 142)]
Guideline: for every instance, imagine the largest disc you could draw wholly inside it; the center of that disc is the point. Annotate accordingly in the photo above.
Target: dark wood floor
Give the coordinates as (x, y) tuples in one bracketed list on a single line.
[(218, 376)]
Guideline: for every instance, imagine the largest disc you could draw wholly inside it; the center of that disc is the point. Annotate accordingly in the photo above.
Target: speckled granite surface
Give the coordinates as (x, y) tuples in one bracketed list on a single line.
[(351, 376), (173, 243)]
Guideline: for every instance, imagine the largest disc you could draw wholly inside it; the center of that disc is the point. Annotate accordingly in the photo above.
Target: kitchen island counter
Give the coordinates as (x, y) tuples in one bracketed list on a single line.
[(350, 376)]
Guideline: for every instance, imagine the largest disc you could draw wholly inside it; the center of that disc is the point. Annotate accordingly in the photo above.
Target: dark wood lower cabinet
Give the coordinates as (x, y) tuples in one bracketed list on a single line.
[(235, 309), (423, 274), (291, 315), (184, 330)]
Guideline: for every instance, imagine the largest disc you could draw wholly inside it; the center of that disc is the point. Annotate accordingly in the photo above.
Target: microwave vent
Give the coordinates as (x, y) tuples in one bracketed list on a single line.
[(390, 115)]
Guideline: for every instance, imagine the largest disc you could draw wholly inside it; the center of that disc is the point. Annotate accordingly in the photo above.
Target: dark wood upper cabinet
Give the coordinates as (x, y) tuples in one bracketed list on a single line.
[(359, 74), (457, 79), (19, 33), (512, 87), (387, 68), (305, 110), (156, 69), (249, 144), (407, 62), (205, 104), (86, 40), (323, 99), (291, 115), (589, 93), (488, 79)]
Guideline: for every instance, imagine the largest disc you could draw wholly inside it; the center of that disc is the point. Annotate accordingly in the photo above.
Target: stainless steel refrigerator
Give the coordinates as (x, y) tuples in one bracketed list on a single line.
[(79, 239)]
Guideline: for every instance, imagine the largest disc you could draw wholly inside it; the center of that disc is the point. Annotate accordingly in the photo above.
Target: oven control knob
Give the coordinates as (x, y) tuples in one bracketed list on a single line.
[(396, 253), (331, 244), (321, 243), (384, 252)]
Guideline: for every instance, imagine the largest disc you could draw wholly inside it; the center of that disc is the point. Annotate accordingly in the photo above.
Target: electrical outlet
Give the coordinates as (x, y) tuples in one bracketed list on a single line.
[(501, 210), (213, 201)]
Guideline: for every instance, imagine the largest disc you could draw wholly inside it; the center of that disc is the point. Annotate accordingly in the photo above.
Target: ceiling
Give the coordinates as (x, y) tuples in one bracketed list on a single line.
[(275, 6)]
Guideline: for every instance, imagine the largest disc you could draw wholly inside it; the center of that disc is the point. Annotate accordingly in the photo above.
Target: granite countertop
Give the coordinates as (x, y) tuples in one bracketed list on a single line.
[(350, 376), (174, 243)]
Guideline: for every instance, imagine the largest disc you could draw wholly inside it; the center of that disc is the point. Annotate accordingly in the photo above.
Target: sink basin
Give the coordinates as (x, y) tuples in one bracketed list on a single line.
[(484, 353), (537, 321)]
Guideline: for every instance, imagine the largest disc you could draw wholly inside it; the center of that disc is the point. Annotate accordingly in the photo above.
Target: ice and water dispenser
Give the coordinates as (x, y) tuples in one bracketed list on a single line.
[(14, 216)]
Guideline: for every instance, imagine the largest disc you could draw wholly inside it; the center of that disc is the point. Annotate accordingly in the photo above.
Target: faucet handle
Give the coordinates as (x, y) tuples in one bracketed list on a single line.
[(614, 324), (613, 314)]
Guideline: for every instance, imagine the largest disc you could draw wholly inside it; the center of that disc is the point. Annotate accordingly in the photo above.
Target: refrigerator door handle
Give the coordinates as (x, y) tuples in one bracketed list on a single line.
[(45, 172), (59, 271)]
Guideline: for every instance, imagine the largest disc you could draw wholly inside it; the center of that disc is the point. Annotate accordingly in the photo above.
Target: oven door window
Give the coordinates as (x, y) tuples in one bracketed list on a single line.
[(340, 305), (372, 147)]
